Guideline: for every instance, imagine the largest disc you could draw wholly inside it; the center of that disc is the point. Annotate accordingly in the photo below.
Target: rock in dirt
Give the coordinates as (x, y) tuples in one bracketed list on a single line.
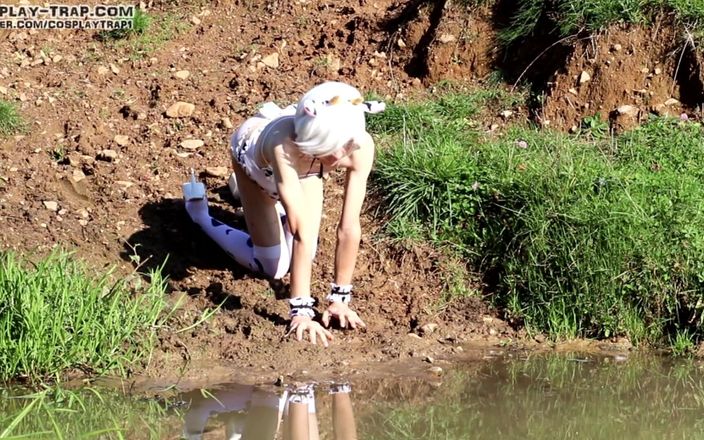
[(436, 371), (624, 118), (102, 70), (671, 102), (506, 114), (584, 77), (107, 155), (195, 20), (114, 69), (447, 38), (616, 47), (271, 60), (121, 140), (3, 91), (51, 205), (180, 110), (226, 123), (428, 329), (217, 171), (192, 144), (182, 74), (124, 183)]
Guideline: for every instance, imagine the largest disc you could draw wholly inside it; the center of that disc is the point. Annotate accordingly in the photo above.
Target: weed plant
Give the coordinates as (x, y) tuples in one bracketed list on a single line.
[(568, 17), (56, 315), (10, 120), (573, 235)]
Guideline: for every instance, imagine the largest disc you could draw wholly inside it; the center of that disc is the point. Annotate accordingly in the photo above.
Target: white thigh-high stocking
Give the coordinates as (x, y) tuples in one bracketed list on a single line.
[(273, 261)]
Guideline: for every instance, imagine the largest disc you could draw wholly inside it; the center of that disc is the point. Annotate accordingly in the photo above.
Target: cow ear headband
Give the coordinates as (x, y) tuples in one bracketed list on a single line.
[(311, 107)]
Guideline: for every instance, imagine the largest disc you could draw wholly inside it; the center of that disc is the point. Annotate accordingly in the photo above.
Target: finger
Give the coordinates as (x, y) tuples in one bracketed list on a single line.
[(299, 333), (343, 321), (325, 335), (313, 337), (326, 318)]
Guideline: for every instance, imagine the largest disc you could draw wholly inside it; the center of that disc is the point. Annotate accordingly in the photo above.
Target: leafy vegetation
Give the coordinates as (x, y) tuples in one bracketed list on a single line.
[(575, 235), (567, 17), (10, 120), (56, 315)]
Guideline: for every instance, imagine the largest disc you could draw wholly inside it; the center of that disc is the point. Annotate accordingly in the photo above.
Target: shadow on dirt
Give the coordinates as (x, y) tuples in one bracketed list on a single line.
[(171, 239)]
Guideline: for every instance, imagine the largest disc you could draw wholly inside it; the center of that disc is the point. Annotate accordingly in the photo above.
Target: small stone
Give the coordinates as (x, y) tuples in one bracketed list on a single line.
[(413, 336), (429, 359), (180, 109), (657, 71), (493, 332), (584, 77), (616, 47), (192, 144), (401, 43), (447, 38), (51, 205), (627, 110), (107, 155), (522, 144), (573, 91), (114, 69), (271, 60), (124, 183), (217, 171), (3, 90), (671, 102), (23, 97), (494, 127), (417, 82), (684, 117), (195, 20), (57, 59), (436, 371), (428, 329), (506, 114), (77, 176), (574, 129), (121, 140), (644, 70), (182, 74), (102, 70), (226, 123), (83, 222), (539, 338)]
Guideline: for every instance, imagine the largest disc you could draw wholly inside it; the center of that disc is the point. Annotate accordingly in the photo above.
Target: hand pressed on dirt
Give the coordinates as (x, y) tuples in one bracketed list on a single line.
[(300, 324), (344, 314)]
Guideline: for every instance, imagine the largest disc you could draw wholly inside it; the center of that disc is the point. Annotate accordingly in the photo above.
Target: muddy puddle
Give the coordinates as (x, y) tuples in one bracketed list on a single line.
[(505, 395)]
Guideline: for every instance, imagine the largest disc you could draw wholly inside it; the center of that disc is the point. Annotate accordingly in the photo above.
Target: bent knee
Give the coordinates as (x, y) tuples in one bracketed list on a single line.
[(273, 261)]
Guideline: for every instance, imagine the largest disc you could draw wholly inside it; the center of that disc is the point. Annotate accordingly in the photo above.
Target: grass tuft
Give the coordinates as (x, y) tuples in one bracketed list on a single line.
[(56, 315), (10, 120)]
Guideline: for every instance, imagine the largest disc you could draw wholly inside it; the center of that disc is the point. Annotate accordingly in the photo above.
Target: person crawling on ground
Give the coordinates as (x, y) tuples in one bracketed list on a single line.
[(280, 157)]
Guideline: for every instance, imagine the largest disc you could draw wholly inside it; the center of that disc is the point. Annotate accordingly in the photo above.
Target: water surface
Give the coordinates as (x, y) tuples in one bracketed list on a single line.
[(506, 396)]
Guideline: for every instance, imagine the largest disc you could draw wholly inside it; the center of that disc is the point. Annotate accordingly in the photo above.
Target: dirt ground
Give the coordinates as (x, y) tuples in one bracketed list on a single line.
[(100, 167)]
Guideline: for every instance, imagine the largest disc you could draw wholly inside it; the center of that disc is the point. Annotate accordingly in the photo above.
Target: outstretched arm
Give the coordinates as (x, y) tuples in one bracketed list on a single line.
[(349, 230), (303, 217)]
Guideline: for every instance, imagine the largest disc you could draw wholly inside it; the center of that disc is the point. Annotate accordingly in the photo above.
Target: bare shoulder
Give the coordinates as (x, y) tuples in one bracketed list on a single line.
[(363, 158)]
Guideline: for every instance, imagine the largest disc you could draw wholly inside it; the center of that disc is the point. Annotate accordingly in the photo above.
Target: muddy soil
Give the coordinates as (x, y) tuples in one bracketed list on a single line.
[(100, 166)]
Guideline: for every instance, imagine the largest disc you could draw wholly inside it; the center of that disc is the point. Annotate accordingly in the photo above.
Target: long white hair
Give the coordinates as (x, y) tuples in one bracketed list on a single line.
[(327, 117)]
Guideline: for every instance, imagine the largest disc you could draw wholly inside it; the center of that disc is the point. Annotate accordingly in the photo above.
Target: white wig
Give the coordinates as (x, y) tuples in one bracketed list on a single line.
[(327, 117)]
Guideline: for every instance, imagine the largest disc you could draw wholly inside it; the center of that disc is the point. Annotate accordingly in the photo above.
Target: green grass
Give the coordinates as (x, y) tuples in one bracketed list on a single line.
[(567, 17), (57, 314), (148, 33), (10, 120), (574, 236)]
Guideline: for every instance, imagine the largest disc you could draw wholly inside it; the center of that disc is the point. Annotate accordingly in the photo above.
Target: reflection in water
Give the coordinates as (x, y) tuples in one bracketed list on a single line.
[(546, 397), (254, 413), (553, 396)]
